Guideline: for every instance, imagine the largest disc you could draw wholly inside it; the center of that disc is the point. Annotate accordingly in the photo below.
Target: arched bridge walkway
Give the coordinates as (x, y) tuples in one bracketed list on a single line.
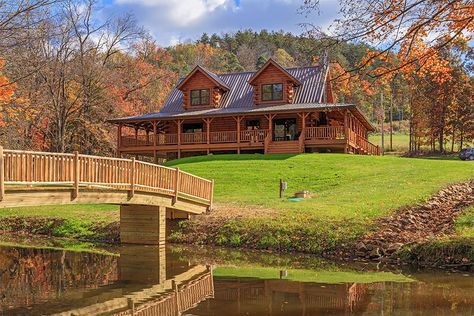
[(147, 193)]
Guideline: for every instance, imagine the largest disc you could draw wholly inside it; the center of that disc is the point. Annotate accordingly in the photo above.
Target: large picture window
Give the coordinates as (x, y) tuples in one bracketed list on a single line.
[(272, 92), (200, 97)]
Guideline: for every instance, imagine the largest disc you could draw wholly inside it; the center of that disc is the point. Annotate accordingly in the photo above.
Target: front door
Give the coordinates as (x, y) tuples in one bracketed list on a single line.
[(284, 129)]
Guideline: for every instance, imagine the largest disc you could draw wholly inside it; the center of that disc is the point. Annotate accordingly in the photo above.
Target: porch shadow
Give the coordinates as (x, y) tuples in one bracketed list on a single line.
[(231, 157)]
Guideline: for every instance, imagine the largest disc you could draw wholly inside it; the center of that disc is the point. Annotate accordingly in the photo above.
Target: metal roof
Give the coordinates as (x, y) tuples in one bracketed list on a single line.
[(240, 94)]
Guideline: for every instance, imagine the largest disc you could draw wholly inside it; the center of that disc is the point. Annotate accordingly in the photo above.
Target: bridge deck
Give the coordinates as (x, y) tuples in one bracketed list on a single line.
[(38, 178)]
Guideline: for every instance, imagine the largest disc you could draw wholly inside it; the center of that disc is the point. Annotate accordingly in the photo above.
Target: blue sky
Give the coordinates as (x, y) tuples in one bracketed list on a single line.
[(174, 21)]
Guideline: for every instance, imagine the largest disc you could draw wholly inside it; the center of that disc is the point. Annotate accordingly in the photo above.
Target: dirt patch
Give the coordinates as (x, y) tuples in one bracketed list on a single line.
[(203, 228), (416, 224)]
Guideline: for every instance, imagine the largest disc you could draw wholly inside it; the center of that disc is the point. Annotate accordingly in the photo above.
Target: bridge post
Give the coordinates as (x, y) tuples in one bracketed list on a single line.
[(76, 171), (131, 193), (143, 225), (176, 186), (2, 175)]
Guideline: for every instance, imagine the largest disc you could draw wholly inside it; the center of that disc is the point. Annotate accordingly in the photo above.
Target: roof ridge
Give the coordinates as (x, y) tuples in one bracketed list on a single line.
[(252, 72)]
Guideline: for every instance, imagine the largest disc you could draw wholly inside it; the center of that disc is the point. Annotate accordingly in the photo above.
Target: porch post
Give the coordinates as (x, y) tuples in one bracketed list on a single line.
[(155, 133), (119, 139), (179, 123), (238, 120), (346, 131), (208, 133), (136, 136)]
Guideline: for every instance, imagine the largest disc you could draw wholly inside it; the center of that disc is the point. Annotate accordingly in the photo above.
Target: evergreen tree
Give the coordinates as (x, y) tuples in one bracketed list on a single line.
[(261, 60)]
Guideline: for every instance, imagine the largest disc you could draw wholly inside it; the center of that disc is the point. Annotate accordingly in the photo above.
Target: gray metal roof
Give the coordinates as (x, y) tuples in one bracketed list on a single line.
[(240, 91)]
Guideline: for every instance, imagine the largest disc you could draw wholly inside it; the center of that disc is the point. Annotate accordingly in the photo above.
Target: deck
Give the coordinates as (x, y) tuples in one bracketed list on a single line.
[(338, 138)]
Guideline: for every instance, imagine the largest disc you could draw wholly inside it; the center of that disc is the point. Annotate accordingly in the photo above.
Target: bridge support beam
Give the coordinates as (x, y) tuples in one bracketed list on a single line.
[(142, 225)]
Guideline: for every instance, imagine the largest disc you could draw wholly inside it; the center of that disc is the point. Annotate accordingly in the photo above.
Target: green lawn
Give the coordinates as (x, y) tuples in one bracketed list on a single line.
[(465, 224), (348, 193), (400, 141), (342, 186), (84, 213)]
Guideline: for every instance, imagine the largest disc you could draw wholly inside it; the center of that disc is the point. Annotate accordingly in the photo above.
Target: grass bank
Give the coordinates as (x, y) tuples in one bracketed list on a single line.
[(455, 251), (96, 223), (348, 194)]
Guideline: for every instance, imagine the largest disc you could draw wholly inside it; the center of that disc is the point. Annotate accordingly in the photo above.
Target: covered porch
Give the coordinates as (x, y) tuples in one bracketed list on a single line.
[(289, 132)]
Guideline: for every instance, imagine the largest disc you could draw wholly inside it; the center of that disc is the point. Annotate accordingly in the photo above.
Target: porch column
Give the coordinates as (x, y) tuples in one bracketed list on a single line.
[(346, 131), (179, 123), (136, 136), (270, 117), (208, 122), (119, 139), (238, 120), (155, 133)]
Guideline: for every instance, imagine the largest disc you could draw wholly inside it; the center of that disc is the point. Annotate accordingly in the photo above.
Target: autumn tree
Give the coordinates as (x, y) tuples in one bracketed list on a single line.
[(414, 30)]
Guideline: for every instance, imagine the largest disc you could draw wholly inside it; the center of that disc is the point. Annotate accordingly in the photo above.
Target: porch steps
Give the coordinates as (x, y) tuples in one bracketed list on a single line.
[(283, 147)]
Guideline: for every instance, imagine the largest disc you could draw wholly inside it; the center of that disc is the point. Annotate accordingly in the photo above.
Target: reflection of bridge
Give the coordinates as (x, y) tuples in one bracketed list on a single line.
[(147, 193), (143, 288)]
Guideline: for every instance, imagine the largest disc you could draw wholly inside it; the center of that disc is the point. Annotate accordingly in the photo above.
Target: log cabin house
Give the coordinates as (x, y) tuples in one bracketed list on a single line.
[(272, 110)]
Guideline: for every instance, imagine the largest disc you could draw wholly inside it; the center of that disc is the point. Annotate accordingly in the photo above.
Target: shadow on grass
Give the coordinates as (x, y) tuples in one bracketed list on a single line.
[(230, 157)]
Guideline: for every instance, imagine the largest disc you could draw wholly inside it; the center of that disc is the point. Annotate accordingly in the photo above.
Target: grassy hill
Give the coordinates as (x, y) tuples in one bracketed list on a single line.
[(348, 193)]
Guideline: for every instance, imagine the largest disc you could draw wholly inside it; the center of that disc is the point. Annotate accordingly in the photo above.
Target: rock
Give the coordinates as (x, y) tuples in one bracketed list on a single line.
[(361, 247), (393, 248), (375, 253)]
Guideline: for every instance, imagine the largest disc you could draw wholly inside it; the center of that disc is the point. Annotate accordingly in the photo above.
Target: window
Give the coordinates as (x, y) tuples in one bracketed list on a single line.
[(253, 124), (200, 97), (272, 92), (192, 128)]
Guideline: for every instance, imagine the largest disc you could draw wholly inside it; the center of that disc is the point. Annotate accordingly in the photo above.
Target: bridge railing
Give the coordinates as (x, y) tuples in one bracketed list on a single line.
[(75, 170)]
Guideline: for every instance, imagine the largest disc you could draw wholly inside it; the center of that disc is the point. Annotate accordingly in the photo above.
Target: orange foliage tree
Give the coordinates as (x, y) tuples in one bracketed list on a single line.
[(414, 30)]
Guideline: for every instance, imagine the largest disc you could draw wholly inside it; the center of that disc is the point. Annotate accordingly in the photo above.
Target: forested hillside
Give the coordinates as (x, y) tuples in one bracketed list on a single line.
[(63, 73)]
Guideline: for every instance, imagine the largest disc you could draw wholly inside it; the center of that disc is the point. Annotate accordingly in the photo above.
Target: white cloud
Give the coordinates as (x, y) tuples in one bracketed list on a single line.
[(180, 12)]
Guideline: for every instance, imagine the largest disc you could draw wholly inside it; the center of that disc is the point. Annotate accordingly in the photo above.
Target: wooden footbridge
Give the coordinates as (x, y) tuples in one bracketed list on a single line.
[(147, 193)]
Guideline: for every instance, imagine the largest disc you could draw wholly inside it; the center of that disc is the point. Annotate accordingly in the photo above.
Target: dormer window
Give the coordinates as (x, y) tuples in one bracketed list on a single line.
[(272, 92), (201, 97)]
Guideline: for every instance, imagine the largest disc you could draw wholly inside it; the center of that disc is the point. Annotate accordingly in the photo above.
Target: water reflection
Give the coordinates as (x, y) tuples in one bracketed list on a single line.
[(138, 282), (146, 280)]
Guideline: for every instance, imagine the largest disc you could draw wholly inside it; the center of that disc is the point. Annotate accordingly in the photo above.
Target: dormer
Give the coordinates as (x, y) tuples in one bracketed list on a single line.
[(273, 84), (202, 89)]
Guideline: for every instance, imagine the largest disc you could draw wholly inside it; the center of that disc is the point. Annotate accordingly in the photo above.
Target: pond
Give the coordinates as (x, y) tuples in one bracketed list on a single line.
[(146, 280)]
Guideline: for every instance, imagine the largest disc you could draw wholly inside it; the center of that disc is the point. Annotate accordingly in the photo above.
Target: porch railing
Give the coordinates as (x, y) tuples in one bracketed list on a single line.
[(254, 135), (194, 138), (223, 137), (367, 146), (141, 140), (329, 132)]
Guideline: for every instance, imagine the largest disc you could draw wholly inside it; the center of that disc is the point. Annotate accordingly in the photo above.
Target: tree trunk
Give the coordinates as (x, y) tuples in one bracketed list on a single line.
[(391, 121), (382, 118)]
